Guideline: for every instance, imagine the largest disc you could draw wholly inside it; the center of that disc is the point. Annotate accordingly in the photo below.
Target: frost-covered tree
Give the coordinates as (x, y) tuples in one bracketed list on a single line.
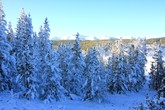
[(109, 70), (140, 59), (118, 78), (94, 86), (118, 83), (11, 38), (7, 61), (136, 61), (44, 44), (50, 86), (26, 66), (132, 68), (77, 67), (141, 56), (157, 69), (65, 64)]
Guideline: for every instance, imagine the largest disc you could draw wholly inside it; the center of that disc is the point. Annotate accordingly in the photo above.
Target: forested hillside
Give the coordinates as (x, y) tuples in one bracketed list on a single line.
[(86, 44)]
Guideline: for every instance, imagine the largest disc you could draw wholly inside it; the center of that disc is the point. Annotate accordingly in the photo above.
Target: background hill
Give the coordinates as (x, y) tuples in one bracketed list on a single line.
[(86, 44)]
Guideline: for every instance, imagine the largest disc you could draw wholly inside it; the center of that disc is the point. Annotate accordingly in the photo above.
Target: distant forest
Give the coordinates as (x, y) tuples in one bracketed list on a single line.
[(87, 44)]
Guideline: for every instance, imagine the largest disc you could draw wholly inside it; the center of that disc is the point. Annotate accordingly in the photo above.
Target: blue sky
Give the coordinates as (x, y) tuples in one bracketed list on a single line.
[(113, 18)]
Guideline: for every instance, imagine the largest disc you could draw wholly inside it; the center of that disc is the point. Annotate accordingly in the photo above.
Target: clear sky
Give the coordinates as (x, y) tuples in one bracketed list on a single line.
[(113, 18)]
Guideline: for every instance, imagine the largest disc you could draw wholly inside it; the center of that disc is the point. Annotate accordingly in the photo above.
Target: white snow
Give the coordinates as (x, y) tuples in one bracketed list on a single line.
[(113, 102)]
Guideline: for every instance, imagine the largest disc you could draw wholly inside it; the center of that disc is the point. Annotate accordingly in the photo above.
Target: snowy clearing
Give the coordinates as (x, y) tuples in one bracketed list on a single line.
[(113, 102)]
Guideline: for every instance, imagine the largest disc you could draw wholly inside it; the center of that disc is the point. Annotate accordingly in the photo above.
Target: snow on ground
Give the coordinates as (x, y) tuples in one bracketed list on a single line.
[(112, 102)]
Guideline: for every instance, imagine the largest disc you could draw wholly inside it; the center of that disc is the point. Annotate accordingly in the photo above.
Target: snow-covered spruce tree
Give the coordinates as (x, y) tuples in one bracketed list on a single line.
[(50, 87), (94, 86), (66, 64), (36, 55), (132, 68), (11, 40), (25, 63), (101, 54), (136, 61), (152, 75), (157, 69), (109, 71), (118, 82), (140, 59), (77, 68), (7, 61)]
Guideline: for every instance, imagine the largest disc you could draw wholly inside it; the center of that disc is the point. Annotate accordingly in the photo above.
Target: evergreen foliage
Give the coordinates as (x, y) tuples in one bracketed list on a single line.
[(65, 64), (7, 60), (77, 68), (117, 81), (26, 78), (157, 69), (93, 88), (50, 86)]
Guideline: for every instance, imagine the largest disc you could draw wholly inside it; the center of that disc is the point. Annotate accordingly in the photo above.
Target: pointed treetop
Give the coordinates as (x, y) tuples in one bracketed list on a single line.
[(46, 20), (46, 25), (22, 12), (77, 35), (46, 29)]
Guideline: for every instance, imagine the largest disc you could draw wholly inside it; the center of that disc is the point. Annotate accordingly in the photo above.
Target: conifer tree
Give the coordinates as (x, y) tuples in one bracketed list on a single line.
[(157, 69), (94, 87), (36, 49), (7, 61), (65, 64), (26, 78), (136, 61), (77, 67), (50, 86), (109, 71), (118, 81)]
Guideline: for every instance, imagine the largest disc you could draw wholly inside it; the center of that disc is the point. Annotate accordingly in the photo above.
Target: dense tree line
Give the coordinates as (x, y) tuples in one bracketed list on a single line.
[(32, 68)]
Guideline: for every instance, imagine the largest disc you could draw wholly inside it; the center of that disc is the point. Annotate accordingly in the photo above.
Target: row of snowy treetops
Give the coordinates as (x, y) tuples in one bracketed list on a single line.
[(32, 68)]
